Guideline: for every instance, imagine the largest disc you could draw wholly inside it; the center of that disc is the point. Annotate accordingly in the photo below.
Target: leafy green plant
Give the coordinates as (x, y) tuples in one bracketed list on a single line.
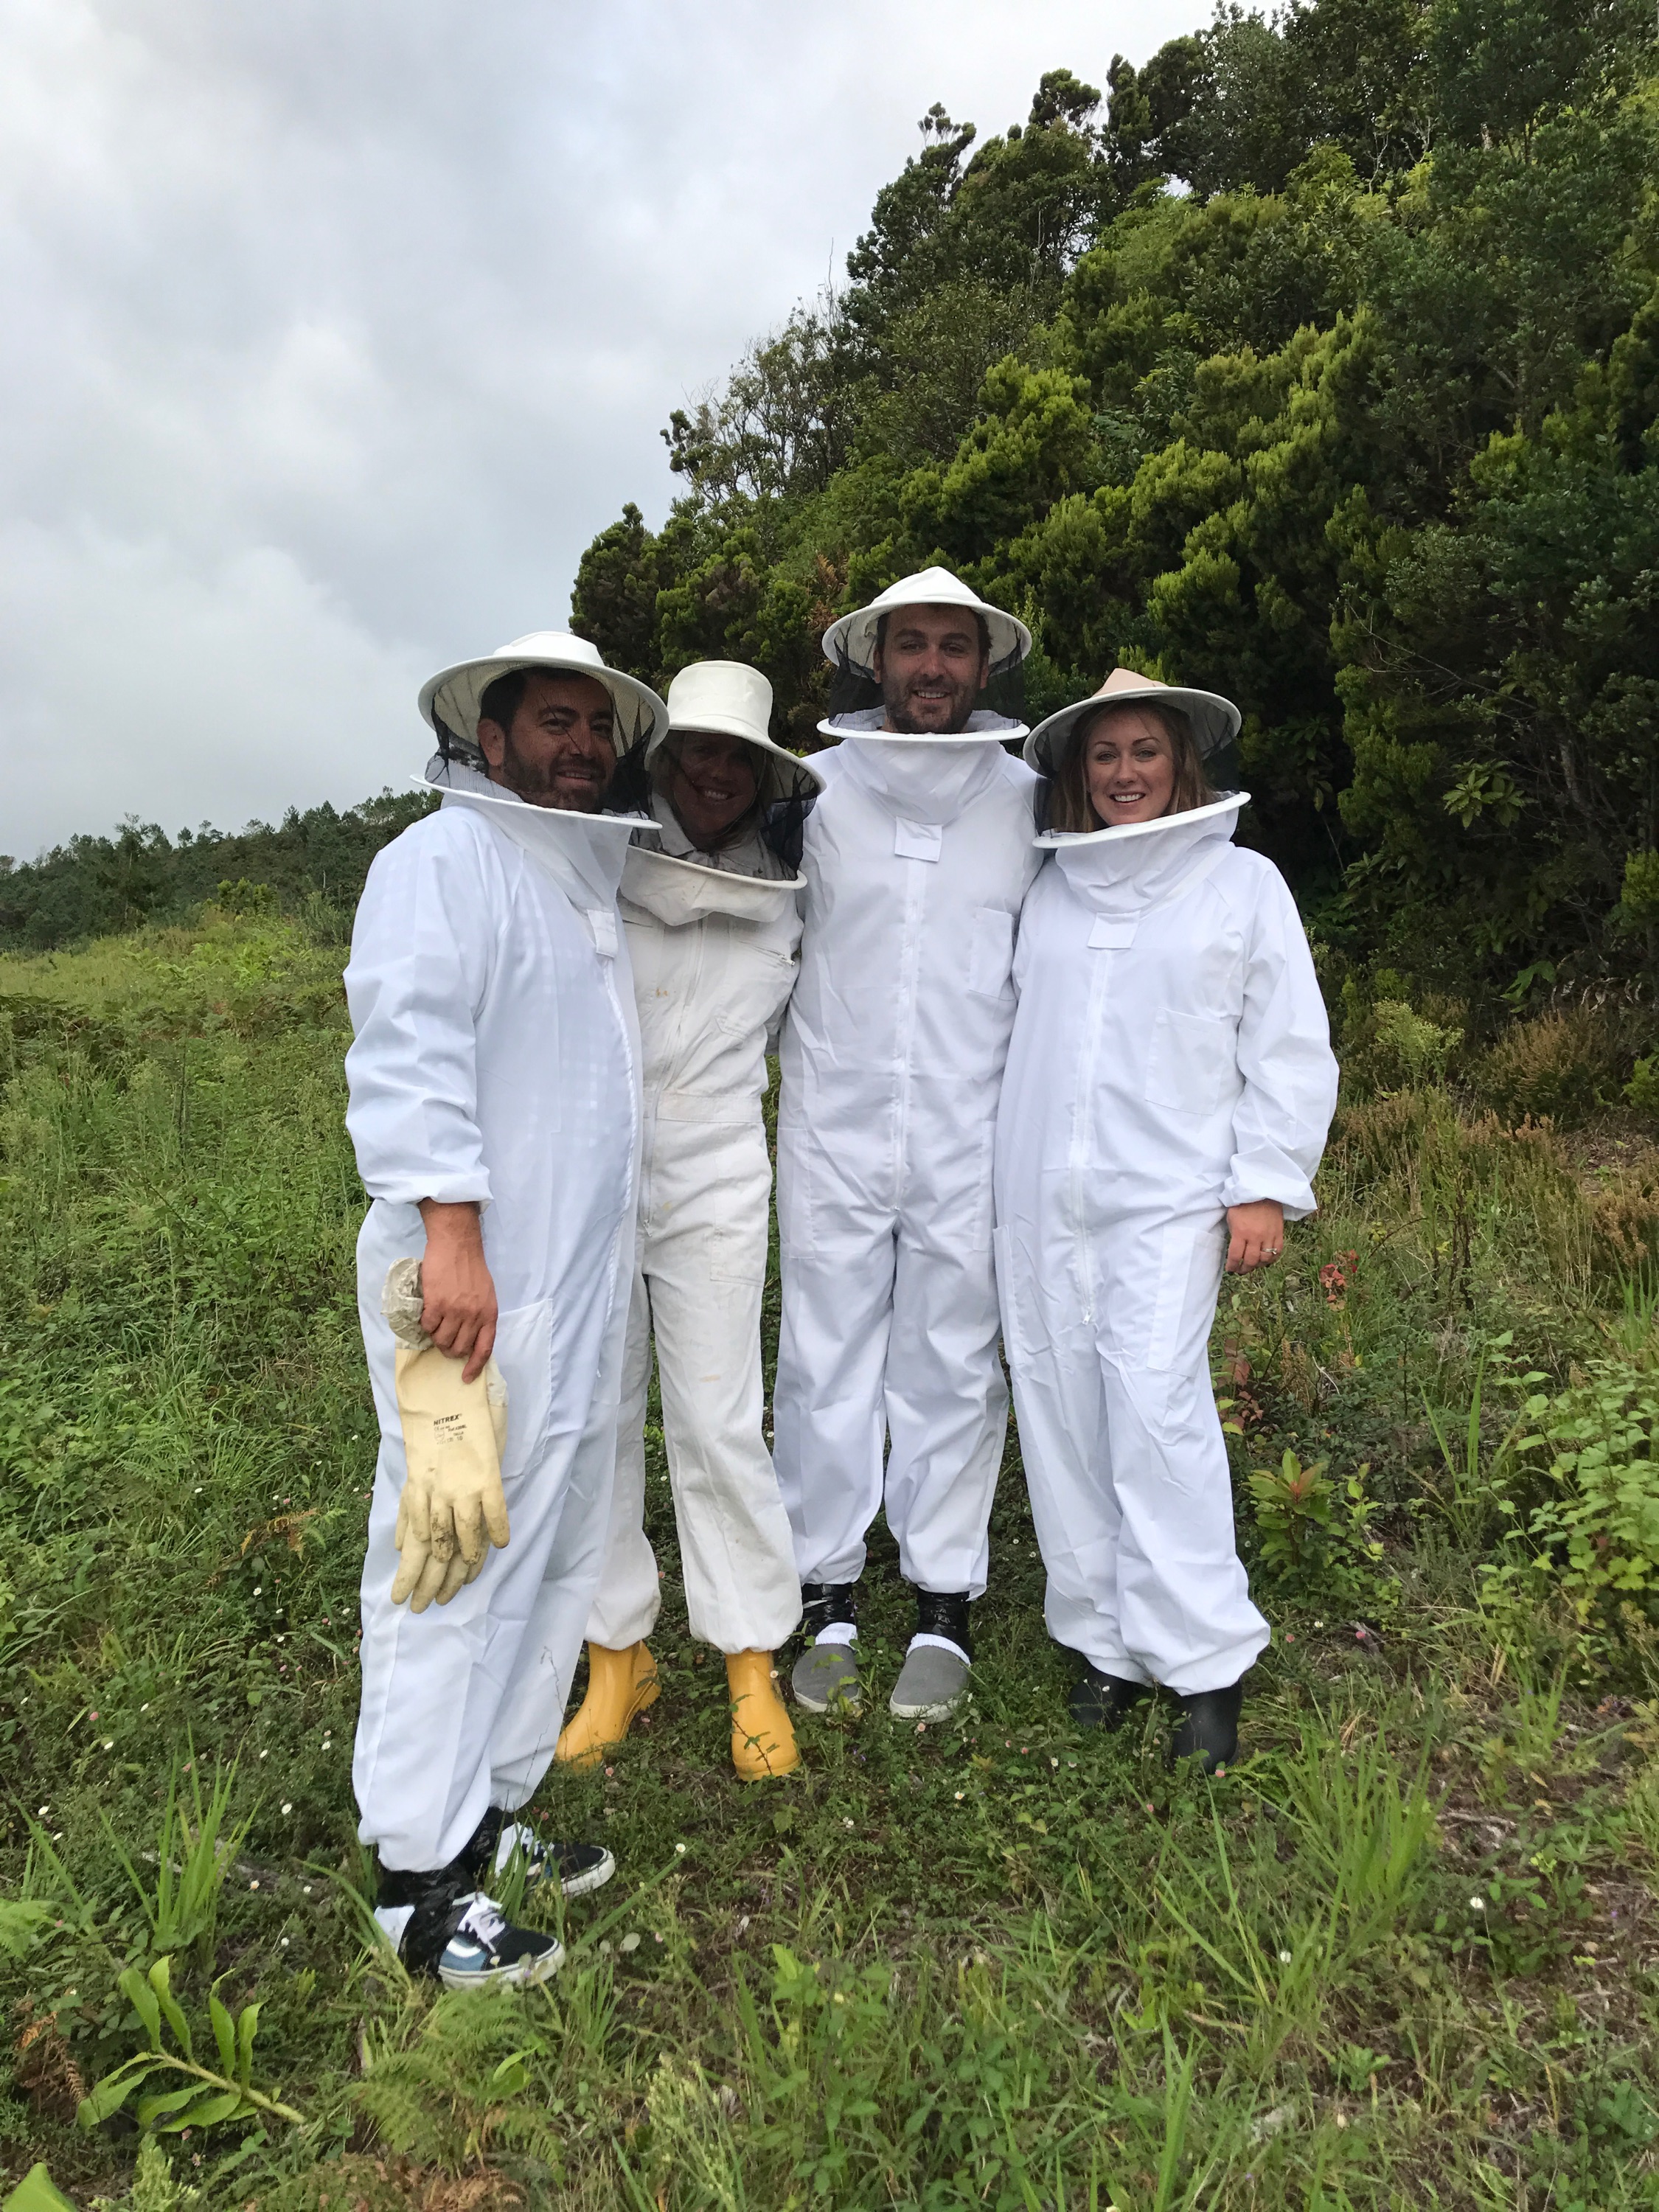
[(182, 1905), (1315, 1535), (1474, 1481), (22, 1919), (208, 2097), (1593, 1536), (1642, 1091), (1408, 1047)]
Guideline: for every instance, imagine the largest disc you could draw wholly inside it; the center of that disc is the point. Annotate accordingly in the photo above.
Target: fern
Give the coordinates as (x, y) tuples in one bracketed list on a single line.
[(460, 2090)]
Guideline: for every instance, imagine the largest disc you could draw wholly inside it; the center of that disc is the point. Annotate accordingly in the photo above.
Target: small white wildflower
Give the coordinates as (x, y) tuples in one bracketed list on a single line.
[(284, 1943), (265, 1754), (679, 1847), (847, 1824), (286, 1808), (109, 1743), (259, 1590), (44, 1810), (1477, 1904), (1284, 1958), (1054, 1762), (961, 1794)]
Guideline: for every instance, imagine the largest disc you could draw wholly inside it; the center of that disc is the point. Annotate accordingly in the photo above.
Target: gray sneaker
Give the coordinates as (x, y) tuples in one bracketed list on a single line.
[(826, 1678), (932, 1682)]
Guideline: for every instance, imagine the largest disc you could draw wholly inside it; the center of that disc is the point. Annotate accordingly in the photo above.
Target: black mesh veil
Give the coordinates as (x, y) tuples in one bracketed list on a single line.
[(853, 689), (779, 814)]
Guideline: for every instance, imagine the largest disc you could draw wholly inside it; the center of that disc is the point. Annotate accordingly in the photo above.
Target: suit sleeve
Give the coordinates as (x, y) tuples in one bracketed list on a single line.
[(422, 949), (1284, 1057)]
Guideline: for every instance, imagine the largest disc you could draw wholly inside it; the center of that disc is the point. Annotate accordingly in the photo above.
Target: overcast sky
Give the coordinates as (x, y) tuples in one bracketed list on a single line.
[(336, 329)]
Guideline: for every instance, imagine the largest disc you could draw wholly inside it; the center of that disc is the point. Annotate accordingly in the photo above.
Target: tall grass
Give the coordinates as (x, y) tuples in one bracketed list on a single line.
[(994, 1962)]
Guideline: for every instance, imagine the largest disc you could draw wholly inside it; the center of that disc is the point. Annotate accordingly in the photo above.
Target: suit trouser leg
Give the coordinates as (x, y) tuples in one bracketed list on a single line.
[(532, 1712), (1128, 1466), (629, 1595), (829, 1412), (741, 1591), (462, 1703), (947, 1401)]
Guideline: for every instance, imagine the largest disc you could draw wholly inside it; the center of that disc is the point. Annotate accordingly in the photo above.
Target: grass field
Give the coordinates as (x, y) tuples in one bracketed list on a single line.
[(1404, 1956)]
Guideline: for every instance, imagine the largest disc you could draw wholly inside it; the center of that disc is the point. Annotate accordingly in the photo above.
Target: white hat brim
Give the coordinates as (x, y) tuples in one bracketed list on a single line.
[(1215, 721), (852, 637), (455, 693)]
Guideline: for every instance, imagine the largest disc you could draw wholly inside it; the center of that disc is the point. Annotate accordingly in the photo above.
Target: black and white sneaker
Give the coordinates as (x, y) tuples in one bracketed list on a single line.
[(461, 1936), (577, 1868)]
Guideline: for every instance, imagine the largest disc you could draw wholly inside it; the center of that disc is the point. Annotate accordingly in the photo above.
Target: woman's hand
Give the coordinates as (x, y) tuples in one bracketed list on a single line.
[(458, 1313), (1258, 1235)]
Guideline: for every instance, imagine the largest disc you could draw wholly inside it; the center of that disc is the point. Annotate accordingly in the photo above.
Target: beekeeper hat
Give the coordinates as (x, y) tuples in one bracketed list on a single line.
[(733, 699), (450, 701), (851, 642), (1214, 720)]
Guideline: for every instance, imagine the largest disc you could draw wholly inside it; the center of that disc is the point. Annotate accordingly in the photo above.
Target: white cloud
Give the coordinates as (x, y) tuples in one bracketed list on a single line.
[(336, 332)]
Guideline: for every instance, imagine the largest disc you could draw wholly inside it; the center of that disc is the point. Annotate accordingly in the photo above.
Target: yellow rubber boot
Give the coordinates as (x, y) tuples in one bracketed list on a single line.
[(620, 1684), (762, 1740)]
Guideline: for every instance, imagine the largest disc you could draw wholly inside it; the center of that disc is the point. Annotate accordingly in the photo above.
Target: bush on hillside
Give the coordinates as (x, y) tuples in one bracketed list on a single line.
[(1558, 1067)]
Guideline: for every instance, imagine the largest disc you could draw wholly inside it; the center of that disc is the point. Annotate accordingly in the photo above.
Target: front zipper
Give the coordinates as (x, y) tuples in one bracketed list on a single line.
[(909, 979), (1082, 1123)]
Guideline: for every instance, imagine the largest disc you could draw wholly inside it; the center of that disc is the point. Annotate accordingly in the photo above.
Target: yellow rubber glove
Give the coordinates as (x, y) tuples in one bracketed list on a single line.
[(452, 1507)]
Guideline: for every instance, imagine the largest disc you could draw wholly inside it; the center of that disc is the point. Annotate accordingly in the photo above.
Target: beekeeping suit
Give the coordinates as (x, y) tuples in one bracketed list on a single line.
[(1170, 1057), (713, 940), (496, 1061), (916, 858)]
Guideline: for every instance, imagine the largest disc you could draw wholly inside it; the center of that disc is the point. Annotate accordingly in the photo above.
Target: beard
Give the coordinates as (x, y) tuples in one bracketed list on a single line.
[(901, 716), (568, 780)]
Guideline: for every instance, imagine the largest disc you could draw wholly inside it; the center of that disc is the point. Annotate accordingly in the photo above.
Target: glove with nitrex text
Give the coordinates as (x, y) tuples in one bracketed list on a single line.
[(452, 1507)]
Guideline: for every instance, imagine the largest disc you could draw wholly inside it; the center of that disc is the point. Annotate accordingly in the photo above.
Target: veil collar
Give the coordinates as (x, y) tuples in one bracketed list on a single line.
[(1123, 872), (582, 853), (919, 779)]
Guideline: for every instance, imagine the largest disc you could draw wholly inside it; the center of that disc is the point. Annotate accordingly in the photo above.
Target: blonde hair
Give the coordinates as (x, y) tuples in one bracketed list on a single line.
[(1069, 804)]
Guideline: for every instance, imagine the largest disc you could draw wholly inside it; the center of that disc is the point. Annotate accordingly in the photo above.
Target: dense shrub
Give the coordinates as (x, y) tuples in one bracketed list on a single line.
[(1558, 1067)]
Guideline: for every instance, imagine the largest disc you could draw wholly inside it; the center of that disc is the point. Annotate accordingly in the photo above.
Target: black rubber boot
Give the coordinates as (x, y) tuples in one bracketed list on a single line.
[(1104, 1701), (1208, 1727)]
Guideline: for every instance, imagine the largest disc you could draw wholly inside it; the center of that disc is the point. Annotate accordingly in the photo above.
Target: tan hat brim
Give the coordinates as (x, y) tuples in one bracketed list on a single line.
[(1215, 721)]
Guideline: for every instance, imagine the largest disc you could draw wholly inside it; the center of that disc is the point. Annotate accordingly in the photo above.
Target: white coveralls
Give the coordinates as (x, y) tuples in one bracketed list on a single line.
[(917, 856), (713, 960), (497, 1060), (1170, 1057)]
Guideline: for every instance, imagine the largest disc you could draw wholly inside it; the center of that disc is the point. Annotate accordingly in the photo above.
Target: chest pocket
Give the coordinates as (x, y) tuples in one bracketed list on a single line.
[(1193, 1064), (990, 952)]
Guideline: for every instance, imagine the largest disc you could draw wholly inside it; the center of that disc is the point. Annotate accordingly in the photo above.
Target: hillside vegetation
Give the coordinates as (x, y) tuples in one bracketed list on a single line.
[(1408, 1955)]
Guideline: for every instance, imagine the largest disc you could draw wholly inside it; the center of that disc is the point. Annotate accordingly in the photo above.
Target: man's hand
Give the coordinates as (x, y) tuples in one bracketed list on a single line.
[(1258, 1235), (460, 1310)]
